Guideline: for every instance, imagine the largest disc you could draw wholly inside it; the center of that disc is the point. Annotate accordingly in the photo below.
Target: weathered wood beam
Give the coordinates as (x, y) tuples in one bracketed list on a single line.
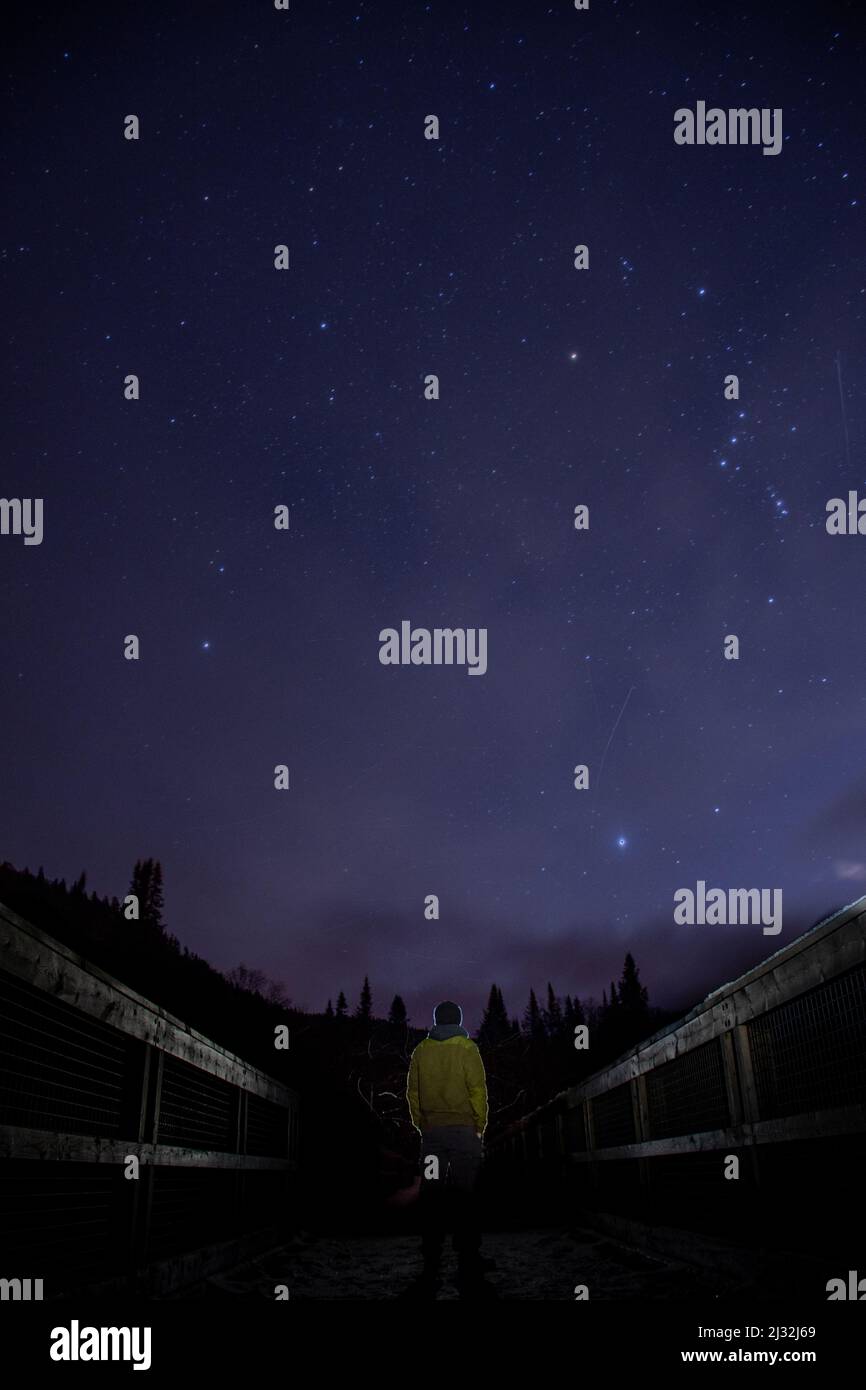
[(21, 1143)]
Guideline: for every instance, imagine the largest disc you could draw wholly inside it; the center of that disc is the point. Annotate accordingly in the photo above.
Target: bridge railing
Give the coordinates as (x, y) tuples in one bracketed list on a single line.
[(92, 1075), (770, 1069)]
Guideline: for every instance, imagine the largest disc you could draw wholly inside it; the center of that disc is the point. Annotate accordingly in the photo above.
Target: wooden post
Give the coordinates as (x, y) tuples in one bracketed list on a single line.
[(732, 1079), (149, 1135), (590, 1144), (240, 1122), (748, 1090), (134, 1102), (641, 1128)]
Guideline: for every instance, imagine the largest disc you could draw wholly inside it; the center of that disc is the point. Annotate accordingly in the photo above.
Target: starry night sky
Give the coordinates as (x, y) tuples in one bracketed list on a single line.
[(558, 387)]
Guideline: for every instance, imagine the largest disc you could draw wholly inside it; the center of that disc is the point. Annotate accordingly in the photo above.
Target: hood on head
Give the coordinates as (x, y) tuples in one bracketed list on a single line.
[(441, 1032)]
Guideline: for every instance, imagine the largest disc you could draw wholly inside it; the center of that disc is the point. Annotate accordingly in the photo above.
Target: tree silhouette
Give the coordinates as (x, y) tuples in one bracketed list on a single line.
[(633, 1003), (147, 886), (495, 1027), (364, 1010), (397, 1014), (533, 1023), (572, 1015), (342, 1006), (244, 978), (552, 1014)]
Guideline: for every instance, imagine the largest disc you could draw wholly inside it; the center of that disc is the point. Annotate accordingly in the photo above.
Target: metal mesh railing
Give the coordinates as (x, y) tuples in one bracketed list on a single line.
[(61, 1217), (197, 1111), (810, 1054), (267, 1128), (191, 1207), (613, 1117), (575, 1130), (687, 1095), (60, 1069)]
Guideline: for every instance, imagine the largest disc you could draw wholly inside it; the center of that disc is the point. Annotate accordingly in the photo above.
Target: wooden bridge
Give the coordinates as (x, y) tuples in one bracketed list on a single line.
[(741, 1125)]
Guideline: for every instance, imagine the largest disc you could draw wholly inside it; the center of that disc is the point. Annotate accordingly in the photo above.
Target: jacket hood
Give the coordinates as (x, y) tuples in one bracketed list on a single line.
[(443, 1031)]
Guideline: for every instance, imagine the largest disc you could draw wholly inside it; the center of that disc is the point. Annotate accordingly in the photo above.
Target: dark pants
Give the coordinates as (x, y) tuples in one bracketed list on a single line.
[(448, 1201)]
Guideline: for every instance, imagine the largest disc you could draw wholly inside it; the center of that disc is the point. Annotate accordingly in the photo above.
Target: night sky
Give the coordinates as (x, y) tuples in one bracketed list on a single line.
[(559, 387)]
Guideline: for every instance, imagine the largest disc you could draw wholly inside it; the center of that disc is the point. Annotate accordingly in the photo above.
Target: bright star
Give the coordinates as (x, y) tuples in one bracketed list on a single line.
[(622, 842)]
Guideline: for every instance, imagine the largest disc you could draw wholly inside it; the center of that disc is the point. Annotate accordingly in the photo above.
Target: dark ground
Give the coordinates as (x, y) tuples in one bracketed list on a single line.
[(534, 1265)]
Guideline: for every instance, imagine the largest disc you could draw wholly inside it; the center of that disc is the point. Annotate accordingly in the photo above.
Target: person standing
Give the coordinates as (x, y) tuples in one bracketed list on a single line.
[(447, 1095)]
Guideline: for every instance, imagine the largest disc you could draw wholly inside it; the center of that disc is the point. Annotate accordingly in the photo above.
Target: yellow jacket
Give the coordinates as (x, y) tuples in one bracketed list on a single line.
[(447, 1085)]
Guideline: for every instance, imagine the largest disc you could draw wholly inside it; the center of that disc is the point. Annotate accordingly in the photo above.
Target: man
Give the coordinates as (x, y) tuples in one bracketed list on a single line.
[(447, 1095)]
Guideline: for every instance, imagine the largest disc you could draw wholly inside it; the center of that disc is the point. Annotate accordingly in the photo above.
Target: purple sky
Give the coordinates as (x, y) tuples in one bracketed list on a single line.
[(558, 387)]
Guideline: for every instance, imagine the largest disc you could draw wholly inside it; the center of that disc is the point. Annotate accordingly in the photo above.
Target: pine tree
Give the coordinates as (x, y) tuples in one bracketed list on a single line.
[(364, 1010), (397, 1014), (156, 898), (533, 1024), (632, 994), (342, 1006), (147, 886), (495, 1027), (553, 1013), (329, 1011), (572, 1015), (633, 1003)]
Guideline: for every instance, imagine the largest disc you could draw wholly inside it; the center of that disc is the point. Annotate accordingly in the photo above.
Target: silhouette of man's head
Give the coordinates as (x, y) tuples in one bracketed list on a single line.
[(446, 1012)]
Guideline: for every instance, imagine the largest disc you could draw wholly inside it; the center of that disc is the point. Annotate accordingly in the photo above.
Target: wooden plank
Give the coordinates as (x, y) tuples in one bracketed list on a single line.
[(43, 1144), (815, 1124)]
